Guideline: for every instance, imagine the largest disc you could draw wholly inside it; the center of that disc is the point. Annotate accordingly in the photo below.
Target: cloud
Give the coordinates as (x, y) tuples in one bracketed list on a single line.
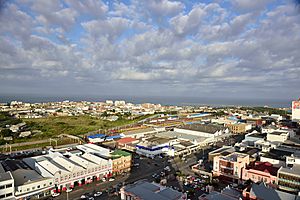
[(172, 47), (249, 5)]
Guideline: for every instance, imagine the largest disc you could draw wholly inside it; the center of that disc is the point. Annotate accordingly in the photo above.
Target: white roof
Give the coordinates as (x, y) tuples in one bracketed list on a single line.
[(92, 148), (82, 161), (94, 158), (51, 167)]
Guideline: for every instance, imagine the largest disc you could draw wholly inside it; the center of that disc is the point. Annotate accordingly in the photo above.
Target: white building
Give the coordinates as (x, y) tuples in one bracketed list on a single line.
[(6, 185), (296, 110), (278, 136), (72, 170), (154, 146)]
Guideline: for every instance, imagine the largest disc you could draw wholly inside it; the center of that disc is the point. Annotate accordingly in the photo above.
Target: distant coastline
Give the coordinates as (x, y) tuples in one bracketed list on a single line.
[(179, 101)]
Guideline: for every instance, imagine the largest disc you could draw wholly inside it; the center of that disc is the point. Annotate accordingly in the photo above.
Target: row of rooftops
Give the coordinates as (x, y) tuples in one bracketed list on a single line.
[(45, 166)]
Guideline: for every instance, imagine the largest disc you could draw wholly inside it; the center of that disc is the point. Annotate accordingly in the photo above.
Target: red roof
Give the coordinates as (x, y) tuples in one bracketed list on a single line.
[(126, 140), (263, 167)]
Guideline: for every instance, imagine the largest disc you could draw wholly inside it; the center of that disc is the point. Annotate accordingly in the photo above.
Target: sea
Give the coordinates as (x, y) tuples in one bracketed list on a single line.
[(163, 100)]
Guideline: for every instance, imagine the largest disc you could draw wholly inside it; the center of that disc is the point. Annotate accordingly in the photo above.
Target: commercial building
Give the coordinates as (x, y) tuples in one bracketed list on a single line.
[(260, 172), (146, 190), (296, 110), (154, 146), (121, 162), (231, 165), (289, 178), (59, 170)]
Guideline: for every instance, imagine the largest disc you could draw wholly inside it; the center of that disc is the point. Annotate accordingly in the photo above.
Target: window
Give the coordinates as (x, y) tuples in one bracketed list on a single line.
[(45, 185), (2, 187), (2, 196), (9, 195), (28, 189), (8, 186), (50, 183), (33, 188), (38, 186)]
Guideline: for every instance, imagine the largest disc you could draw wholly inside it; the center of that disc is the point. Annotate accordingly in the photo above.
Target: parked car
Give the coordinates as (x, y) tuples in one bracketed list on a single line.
[(97, 194), (111, 179), (84, 196), (55, 194), (69, 190)]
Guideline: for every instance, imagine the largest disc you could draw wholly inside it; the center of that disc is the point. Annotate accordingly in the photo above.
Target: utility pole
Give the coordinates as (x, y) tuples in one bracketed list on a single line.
[(53, 140)]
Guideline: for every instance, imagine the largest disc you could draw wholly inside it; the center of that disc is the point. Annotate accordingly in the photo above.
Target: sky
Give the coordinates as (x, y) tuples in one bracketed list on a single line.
[(213, 48)]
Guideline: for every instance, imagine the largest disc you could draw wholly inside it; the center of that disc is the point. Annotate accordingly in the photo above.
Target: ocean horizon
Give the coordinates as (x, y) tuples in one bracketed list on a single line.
[(179, 101)]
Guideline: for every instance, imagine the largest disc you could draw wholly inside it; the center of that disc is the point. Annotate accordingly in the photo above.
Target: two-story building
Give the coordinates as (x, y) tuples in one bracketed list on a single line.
[(231, 165)]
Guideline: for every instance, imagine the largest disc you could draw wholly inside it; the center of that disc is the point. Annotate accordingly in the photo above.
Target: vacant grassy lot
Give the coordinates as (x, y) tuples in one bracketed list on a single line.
[(75, 125)]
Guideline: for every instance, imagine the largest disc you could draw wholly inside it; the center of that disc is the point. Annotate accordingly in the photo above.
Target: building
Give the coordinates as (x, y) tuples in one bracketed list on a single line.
[(289, 178), (96, 138), (251, 138), (260, 172), (239, 128), (225, 150), (139, 133), (230, 166), (121, 162), (154, 146), (227, 193), (263, 191), (27, 182), (296, 110), (58, 171), (127, 143), (6, 185), (146, 190), (278, 136)]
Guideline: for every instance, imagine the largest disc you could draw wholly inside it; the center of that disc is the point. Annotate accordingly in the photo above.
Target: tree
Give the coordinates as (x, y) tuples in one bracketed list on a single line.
[(6, 133)]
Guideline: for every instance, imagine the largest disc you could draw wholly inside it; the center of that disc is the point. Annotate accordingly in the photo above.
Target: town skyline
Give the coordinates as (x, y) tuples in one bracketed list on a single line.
[(236, 49)]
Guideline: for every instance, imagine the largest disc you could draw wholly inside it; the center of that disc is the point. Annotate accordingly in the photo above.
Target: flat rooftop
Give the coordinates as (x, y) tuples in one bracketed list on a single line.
[(295, 170), (149, 191), (5, 176), (184, 136), (203, 128), (234, 156), (144, 130), (24, 176)]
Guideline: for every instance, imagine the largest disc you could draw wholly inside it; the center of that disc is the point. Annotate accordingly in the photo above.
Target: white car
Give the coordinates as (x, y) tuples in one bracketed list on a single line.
[(83, 196), (55, 194), (111, 179), (97, 194), (69, 190), (91, 198)]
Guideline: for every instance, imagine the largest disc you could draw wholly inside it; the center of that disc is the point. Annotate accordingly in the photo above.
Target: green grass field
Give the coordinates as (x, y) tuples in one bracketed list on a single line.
[(74, 125)]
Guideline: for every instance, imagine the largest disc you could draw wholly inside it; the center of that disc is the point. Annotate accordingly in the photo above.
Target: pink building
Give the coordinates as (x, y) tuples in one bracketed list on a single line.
[(231, 165), (260, 172)]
